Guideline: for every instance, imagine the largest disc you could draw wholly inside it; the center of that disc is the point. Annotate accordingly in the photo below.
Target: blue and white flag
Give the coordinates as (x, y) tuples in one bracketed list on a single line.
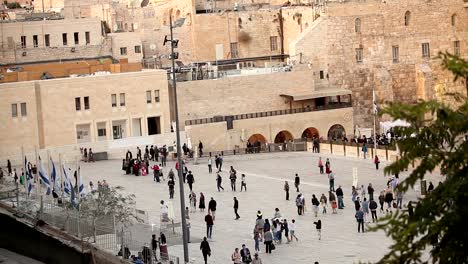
[(67, 185), (53, 175), (81, 188), (28, 176), (374, 101), (44, 177)]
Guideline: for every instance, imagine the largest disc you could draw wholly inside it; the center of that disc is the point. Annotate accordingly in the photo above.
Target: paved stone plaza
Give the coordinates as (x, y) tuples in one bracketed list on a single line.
[(265, 176)]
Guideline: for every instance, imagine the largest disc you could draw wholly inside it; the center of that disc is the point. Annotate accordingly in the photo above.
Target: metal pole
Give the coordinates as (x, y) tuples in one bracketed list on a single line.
[(179, 156), (375, 115)]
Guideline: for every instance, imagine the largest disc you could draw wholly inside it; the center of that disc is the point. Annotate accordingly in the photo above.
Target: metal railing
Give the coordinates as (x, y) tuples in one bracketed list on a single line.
[(264, 148), (217, 119)]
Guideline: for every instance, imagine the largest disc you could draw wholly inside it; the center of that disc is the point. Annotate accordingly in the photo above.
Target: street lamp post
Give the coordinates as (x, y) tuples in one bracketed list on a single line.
[(179, 156)]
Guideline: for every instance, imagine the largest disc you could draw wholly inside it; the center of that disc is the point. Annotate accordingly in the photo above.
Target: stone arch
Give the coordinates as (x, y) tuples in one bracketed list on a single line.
[(257, 137), (357, 25), (407, 18), (283, 136), (336, 131), (310, 132)]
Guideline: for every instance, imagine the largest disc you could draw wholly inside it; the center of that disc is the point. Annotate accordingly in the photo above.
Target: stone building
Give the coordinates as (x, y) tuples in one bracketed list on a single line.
[(387, 46)]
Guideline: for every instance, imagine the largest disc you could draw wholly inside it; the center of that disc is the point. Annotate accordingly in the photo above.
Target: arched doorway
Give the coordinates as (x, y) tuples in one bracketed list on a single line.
[(310, 132), (336, 132), (257, 137), (283, 136)]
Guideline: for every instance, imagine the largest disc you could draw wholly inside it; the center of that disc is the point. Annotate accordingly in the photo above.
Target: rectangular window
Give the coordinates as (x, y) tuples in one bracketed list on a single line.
[(156, 96), (114, 100), (23, 109), (35, 41), (23, 42), (234, 51), (396, 54), (87, 37), (137, 49), (456, 48), (359, 55), (14, 110), (78, 103), (123, 51), (122, 99), (47, 40), (76, 37), (426, 53), (322, 76), (86, 102), (273, 43), (64, 39), (101, 132), (148, 97)]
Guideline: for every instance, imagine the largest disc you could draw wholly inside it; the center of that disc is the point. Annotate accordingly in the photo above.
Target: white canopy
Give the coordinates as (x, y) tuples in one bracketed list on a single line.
[(385, 126)]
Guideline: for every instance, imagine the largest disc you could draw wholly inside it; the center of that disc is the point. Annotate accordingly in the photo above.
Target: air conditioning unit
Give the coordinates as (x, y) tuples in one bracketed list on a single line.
[(24, 54)]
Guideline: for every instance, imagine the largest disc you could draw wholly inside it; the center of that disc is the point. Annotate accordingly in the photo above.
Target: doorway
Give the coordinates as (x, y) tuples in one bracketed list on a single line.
[(154, 126)]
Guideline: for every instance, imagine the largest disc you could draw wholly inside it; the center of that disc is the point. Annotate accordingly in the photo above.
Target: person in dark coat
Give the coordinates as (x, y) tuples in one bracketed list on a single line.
[(190, 179), (245, 254), (205, 249), (297, 182), (9, 167), (201, 202)]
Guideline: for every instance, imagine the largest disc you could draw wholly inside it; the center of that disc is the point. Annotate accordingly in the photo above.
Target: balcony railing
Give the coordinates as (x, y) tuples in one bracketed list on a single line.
[(217, 119)]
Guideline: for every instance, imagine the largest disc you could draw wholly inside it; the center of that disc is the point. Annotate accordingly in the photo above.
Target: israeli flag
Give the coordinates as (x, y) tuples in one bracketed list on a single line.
[(53, 175), (67, 185), (81, 188), (44, 177), (28, 176)]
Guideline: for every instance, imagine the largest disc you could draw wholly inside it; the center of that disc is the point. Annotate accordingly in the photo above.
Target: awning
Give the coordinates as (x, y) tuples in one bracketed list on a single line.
[(316, 94)]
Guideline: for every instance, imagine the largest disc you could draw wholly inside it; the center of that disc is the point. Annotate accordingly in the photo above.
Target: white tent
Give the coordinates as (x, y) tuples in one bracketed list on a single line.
[(385, 126)]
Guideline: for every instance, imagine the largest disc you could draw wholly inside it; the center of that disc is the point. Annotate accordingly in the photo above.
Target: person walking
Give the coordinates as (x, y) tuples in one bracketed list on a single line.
[(171, 185), (389, 200), (320, 165), (327, 166), (256, 240), (297, 182), (217, 163), (315, 204), (210, 161), (201, 202), (318, 226), (399, 199), (268, 241), (200, 148), (331, 181), (220, 162), (190, 180), (339, 194), (243, 182), (292, 230), (236, 207), (285, 227), (212, 207), (233, 178), (364, 150), (376, 162), (382, 200), (286, 189), (365, 209), (219, 180), (332, 200), (193, 201), (209, 225), (154, 246), (373, 208), (245, 254), (370, 191), (205, 249), (256, 259), (323, 202), (360, 220), (236, 257)]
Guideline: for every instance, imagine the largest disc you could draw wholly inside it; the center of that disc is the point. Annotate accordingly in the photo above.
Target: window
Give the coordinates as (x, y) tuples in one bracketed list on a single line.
[(77, 103), (407, 18), (456, 47), (76, 37), (122, 99), (148, 97), (23, 109), (322, 75), (137, 49), (23, 42), (14, 110), (454, 19), (35, 41), (359, 55), (47, 40), (234, 52), (87, 37), (426, 53), (156, 96), (64, 39), (114, 100), (101, 132), (357, 25), (123, 51), (396, 54), (86, 102), (273, 43)]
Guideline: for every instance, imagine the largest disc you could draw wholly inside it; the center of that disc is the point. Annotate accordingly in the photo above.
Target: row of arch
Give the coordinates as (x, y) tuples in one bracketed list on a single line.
[(335, 131)]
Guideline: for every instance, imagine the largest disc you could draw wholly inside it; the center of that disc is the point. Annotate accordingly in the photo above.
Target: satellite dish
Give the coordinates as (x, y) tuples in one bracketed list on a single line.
[(152, 46)]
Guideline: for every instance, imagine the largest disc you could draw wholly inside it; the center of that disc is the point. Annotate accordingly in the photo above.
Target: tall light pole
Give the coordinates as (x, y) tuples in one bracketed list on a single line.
[(179, 156)]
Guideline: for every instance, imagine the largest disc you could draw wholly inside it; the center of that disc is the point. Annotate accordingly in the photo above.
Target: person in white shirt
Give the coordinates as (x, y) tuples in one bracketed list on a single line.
[(243, 183), (210, 170), (292, 230)]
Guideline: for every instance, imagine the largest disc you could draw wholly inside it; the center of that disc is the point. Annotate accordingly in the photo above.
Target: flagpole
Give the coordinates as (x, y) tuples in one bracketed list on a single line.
[(38, 177), (24, 169), (61, 176), (48, 172), (375, 116)]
